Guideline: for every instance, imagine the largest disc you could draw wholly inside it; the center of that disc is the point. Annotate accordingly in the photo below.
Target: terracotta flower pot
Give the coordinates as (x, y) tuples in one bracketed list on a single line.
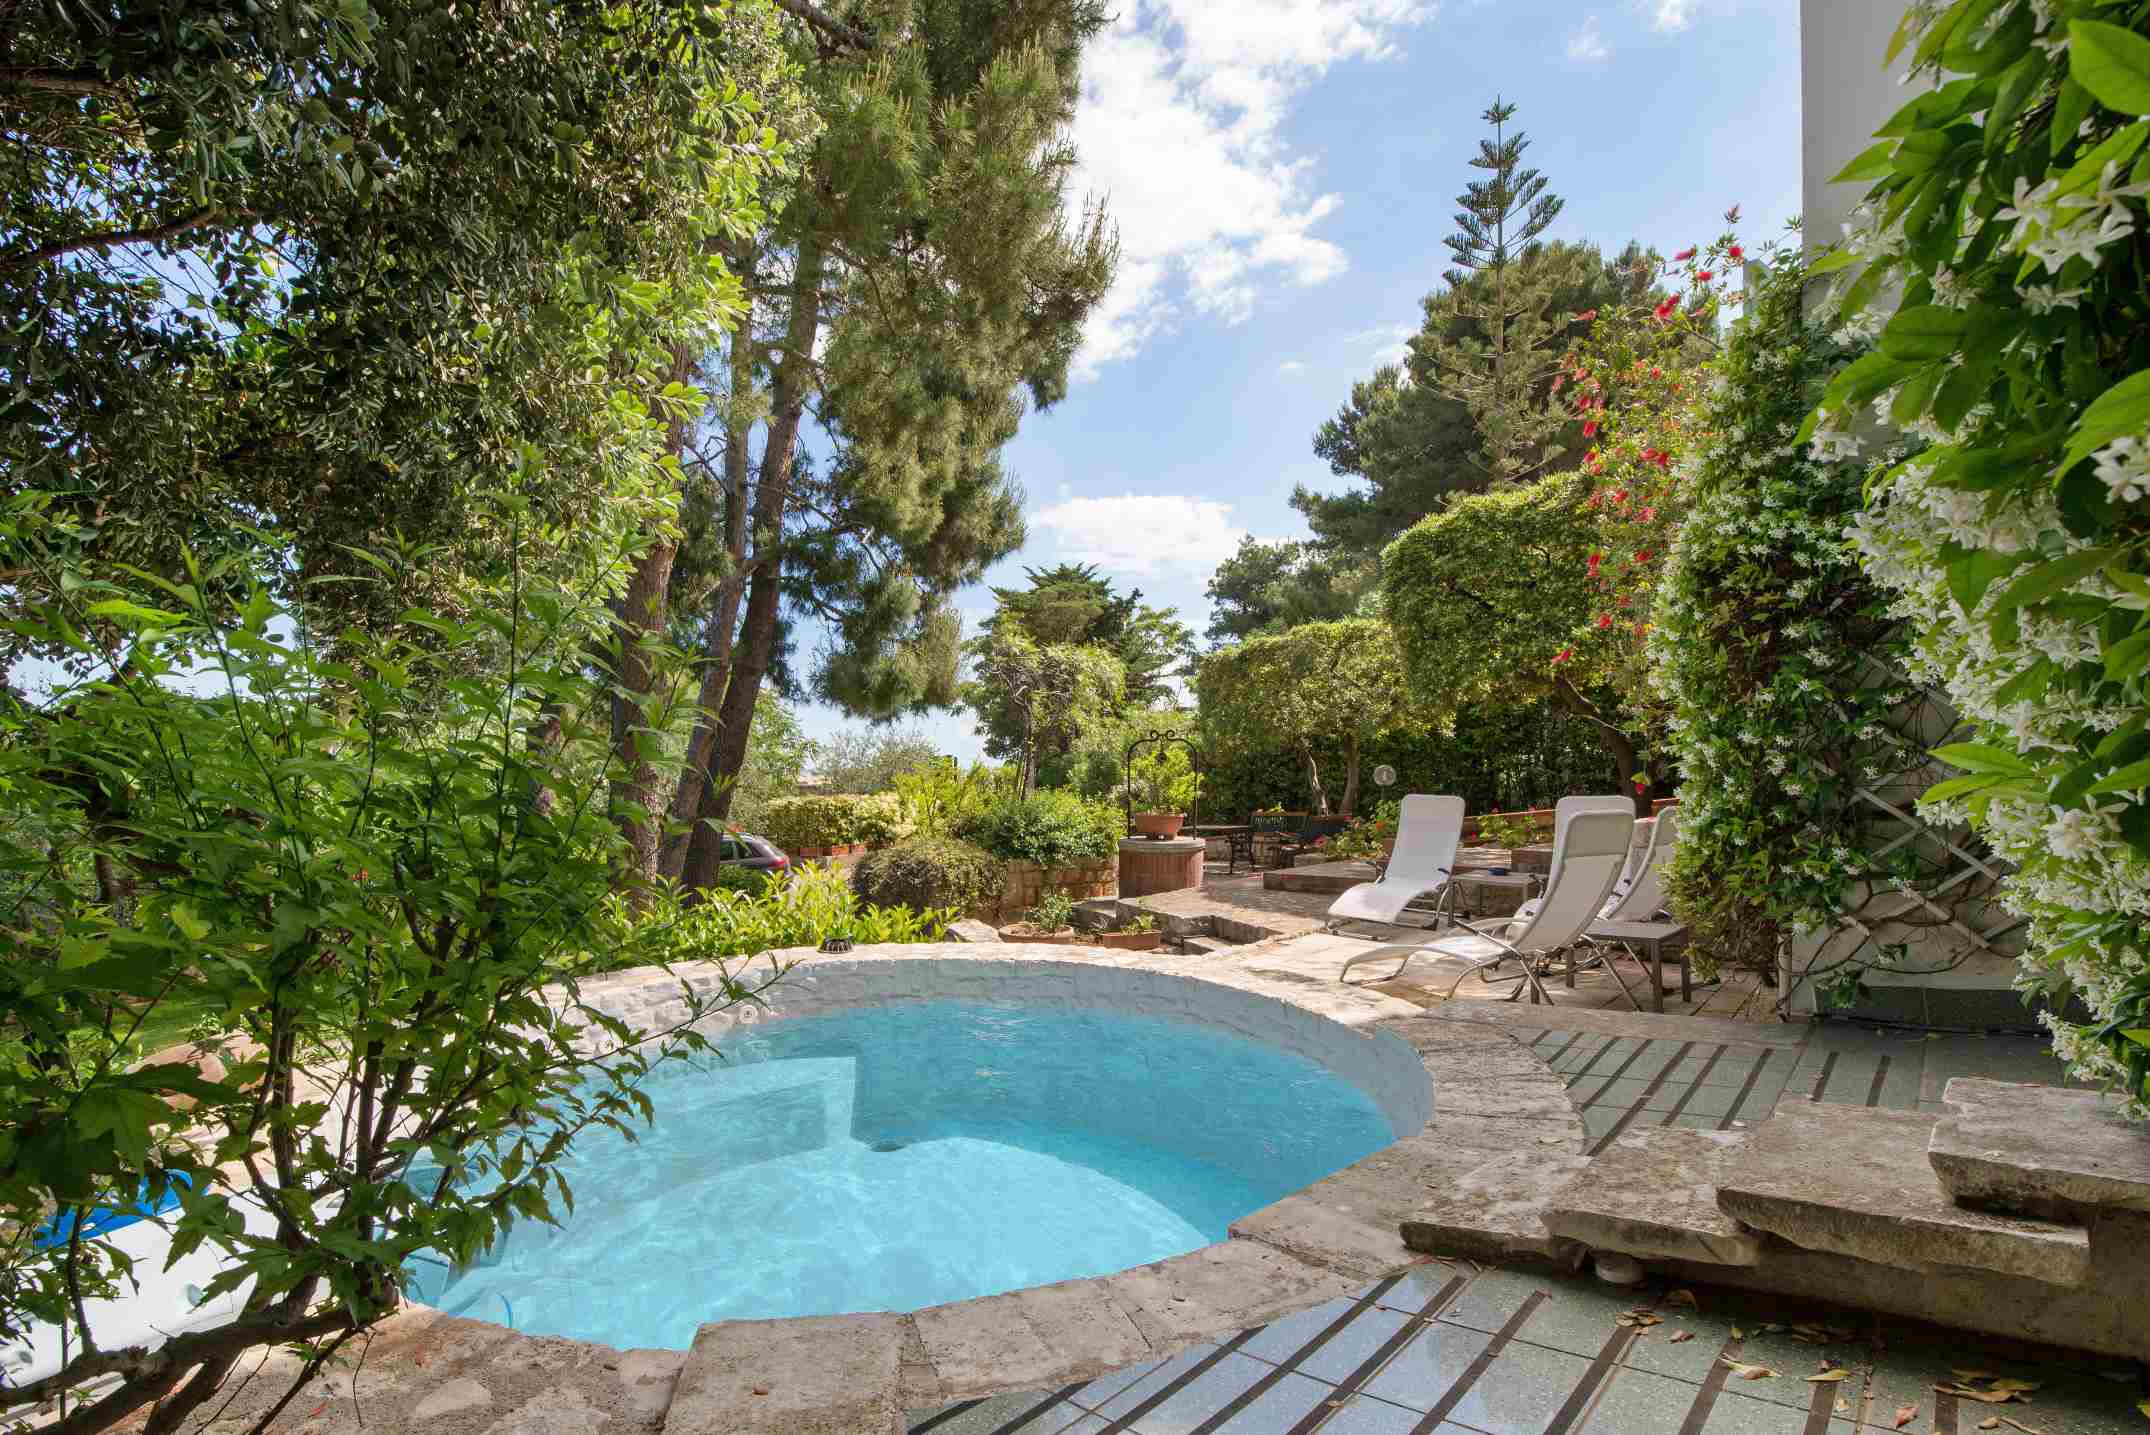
[(1026, 932), (1131, 941), (1159, 824)]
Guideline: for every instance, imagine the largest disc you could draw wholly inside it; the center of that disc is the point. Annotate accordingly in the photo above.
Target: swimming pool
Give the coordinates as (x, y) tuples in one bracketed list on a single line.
[(891, 1157)]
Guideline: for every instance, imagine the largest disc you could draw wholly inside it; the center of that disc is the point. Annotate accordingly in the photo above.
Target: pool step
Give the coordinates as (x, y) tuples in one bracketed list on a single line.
[(1653, 1194), (814, 1375), (1855, 1180), (2039, 1150)]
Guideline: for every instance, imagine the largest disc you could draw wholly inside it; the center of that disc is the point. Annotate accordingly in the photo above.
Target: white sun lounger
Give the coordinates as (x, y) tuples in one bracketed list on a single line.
[(1428, 830), (1591, 838)]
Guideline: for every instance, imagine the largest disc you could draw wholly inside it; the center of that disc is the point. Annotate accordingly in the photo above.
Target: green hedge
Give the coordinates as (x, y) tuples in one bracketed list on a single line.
[(929, 872), (1053, 828), (1497, 760), (834, 821)]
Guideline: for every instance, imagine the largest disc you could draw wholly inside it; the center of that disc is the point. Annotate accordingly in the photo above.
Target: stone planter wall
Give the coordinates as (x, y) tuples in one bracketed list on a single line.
[(1026, 882)]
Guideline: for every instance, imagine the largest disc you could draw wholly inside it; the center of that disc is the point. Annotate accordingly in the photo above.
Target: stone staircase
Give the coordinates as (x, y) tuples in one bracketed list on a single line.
[(2024, 1211)]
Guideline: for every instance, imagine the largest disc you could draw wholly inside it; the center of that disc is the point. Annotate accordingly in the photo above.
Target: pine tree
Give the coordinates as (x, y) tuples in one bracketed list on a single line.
[(1499, 373)]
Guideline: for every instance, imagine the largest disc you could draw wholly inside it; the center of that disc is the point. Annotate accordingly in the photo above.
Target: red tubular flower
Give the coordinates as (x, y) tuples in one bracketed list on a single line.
[(1683, 256), (1705, 276), (1644, 515), (1641, 629), (1642, 784), (1619, 495), (1667, 309), (1595, 560), (1586, 316), (1657, 373), (1735, 254), (1643, 557), (1562, 656), (1590, 428), (1605, 620)]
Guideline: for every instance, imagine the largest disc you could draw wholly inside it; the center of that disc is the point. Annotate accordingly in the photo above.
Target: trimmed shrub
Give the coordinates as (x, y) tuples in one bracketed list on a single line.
[(834, 821), (929, 872), (1053, 828)]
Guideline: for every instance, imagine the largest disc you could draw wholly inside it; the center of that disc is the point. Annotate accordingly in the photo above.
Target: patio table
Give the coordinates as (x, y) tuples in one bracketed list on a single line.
[(1650, 941), (1240, 836)]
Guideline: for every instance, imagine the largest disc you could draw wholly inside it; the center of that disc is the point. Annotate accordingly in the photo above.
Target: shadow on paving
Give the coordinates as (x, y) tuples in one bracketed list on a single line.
[(1453, 1349)]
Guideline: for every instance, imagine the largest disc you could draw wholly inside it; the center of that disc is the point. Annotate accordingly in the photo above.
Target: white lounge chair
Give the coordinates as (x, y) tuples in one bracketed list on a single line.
[(1591, 838), (1639, 895), (1428, 830)]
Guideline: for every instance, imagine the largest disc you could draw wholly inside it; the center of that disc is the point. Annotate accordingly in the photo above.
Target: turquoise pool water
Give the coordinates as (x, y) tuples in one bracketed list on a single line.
[(900, 1156)]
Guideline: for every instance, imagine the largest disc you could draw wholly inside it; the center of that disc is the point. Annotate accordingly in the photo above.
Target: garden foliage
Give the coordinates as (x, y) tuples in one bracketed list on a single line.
[(802, 907), (2006, 228), (834, 821), (930, 873), (371, 913), (1053, 828), (1775, 657)]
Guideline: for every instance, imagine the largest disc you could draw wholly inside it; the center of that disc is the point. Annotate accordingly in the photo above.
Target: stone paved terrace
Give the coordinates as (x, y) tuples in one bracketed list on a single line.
[(1285, 916), (1457, 1349)]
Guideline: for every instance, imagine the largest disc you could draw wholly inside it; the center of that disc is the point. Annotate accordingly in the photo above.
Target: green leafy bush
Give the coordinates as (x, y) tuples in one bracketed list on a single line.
[(834, 821), (803, 907), (1053, 828), (929, 872)]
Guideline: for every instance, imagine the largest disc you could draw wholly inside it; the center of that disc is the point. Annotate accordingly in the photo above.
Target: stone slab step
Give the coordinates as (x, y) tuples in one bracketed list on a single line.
[(1653, 1194), (2039, 1150), (1855, 1180), (1494, 1210), (1203, 946), (816, 1375)]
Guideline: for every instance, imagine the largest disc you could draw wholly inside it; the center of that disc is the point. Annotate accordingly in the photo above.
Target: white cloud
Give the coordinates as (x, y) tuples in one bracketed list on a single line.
[(1673, 16), (1291, 366), (1180, 131), (1142, 534), (1587, 44), (1389, 343)]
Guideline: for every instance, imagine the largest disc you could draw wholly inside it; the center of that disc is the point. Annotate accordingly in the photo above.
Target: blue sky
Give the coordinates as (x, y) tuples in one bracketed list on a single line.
[(1283, 173)]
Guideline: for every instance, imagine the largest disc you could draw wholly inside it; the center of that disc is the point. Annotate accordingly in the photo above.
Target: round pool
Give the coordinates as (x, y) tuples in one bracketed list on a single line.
[(895, 1156)]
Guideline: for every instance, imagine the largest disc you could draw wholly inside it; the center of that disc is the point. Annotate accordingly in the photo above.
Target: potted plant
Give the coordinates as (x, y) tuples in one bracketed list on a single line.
[(1136, 934), (1052, 920), (1165, 782)]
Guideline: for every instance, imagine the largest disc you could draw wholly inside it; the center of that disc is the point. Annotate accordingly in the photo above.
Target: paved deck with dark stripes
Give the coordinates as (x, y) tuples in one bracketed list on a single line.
[(1458, 1350)]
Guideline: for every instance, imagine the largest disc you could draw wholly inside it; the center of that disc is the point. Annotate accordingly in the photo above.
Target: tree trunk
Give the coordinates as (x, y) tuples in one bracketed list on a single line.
[(1622, 747), (1317, 796), (695, 797), (757, 635), (637, 797), (1350, 804)]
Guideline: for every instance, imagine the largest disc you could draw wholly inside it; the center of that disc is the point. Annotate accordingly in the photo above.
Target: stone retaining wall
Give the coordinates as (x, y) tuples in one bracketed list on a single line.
[(1026, 882)]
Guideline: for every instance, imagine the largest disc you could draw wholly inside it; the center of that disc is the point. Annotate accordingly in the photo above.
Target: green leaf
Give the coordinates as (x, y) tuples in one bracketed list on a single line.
[(1954, 787), (2018, 84), (1982, 757), (2069, 112), (2051, 577), (2117, 149), (2122, 410), (1872, 163), (132, 612), (2111, 63), (187, 920), (2128, 657), (1923, 333), (2126, 779), (1922, 151), (1833, 261)]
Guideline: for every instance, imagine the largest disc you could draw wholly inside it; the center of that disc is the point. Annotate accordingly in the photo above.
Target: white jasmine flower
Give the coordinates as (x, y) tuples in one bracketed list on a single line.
[(2124, 467)]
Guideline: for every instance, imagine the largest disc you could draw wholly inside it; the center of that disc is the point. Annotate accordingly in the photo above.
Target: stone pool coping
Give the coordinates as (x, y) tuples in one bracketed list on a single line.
[(1493, 1105)]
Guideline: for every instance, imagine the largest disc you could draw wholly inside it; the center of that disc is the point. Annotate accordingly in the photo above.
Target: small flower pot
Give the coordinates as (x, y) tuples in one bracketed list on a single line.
[(1131, 941), (1159, 824), (1026, 932)]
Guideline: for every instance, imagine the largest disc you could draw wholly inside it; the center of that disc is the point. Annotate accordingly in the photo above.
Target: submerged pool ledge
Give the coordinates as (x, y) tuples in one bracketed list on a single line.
[(1467, 1092)]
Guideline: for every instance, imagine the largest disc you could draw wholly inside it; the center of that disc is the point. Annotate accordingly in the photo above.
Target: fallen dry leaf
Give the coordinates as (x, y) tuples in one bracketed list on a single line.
[(1991, 1422), (1905, 1414), (2019, 1425), (1738, 1334), (1748, 1372), (1638, 1319), (1962, 1374), (2015, 1385), (1983, 1397), (1682, 1297), (1680, 1335), (1828, 1375), (1843, 1406), (759, 1390), (317, 1410), (2144, 1406)]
